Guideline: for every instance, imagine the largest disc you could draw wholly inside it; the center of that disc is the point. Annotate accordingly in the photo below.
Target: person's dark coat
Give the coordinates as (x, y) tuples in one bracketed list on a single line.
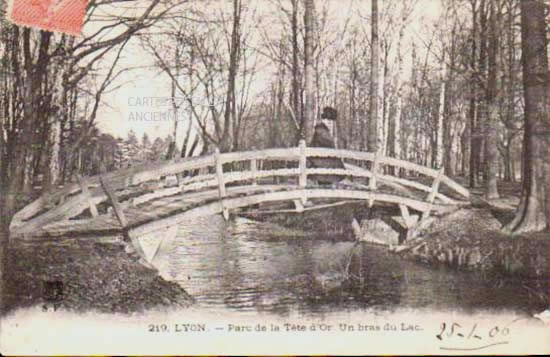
[(322, 138)]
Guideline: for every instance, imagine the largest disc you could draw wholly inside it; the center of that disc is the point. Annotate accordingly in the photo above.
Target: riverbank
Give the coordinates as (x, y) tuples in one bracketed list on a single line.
[(469, 239), (83, 276)]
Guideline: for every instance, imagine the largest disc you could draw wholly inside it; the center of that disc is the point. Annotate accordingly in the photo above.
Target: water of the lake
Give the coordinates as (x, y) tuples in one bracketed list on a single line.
[(248, 266)]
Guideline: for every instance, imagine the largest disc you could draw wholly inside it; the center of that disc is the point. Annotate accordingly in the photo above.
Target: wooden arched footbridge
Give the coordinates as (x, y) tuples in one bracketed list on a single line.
[(152, 198)]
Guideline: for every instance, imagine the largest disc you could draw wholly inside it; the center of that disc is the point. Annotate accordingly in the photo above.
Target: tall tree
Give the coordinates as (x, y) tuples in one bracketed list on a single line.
[(472, 111), (230, 114), (309, 81), (533, 213), (491, 131), (372, 134)]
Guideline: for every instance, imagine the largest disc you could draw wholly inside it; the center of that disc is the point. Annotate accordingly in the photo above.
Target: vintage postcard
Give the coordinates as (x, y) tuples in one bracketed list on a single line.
[(274, 177)]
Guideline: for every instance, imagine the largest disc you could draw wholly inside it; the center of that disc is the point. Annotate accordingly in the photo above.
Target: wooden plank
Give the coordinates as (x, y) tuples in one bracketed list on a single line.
[(407, 165), (428, 172), (164, 169), (155, 195), (234, 203), (221, 183), (339, 153), (235, 176), (341, 172), (77, 203), (309, 208), (46, 200), (290, 154), (198, 178), (456, 186), (357, 169), (416, 185), (84, 187)]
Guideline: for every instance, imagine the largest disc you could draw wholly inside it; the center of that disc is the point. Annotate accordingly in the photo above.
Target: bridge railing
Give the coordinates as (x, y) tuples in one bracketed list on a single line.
[(136, 185)]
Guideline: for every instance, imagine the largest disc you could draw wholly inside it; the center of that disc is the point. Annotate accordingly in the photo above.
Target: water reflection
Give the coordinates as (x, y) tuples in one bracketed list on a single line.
[(250, 266)]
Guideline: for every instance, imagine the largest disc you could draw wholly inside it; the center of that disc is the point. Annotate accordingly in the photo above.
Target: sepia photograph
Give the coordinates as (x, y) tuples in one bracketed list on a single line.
[(274, 177)]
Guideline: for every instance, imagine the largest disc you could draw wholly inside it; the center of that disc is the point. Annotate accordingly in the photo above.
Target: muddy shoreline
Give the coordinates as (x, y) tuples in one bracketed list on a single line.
[(83, 276), (470, 239)]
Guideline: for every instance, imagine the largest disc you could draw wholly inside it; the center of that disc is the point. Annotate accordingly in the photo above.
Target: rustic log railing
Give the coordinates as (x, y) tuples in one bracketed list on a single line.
[(217, 183)]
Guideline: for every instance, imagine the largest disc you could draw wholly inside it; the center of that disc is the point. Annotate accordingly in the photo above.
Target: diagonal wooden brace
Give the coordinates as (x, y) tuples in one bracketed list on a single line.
[(124, 222)]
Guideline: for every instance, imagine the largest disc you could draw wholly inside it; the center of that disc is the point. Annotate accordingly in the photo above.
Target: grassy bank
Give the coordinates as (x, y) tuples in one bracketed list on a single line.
[(93, 277)]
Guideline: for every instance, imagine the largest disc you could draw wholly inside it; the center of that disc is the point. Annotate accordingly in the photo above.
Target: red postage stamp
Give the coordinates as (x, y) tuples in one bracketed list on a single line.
[(65, 16)]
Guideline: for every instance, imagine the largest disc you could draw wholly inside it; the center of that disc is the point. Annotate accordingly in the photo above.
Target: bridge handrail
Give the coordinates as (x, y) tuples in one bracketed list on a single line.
[(75, 200)]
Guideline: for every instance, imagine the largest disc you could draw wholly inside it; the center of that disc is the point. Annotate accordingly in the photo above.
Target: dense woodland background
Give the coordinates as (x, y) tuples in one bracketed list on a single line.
[(471, 97)]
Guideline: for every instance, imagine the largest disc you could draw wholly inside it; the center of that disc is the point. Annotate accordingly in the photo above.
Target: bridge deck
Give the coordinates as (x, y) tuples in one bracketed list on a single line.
[(167, 207), (138, 201)]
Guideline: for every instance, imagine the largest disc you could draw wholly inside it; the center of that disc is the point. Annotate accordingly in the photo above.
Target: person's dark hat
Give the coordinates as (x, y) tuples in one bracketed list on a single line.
[(329, 113)]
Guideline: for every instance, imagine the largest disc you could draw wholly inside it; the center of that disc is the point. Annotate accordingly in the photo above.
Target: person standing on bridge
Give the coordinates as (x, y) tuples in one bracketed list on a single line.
[(322, 138)]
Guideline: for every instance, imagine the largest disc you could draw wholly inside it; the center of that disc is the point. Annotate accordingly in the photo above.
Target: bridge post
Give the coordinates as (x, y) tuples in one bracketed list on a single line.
[(254, 170), (221, 182), (372, 181), (84, 188), (433, 192), (302, 179)]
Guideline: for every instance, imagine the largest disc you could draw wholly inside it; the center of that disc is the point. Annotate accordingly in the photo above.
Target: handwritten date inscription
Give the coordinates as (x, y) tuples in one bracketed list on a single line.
[(478, 338)]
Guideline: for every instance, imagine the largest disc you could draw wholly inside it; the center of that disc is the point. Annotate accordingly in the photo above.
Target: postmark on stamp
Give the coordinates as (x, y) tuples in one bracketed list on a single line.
[(66, 16)]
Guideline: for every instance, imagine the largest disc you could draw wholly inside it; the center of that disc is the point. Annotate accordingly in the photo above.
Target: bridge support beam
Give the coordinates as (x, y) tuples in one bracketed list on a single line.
[(302, 179), (373, 179), (124, 223), (299, 206), (221, 182), (84, 187), (433, 192), (407, 219)]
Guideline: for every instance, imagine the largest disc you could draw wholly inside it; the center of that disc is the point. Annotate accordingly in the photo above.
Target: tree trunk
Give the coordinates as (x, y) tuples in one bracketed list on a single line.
[(449, 134), (507, 158), (491, 133), (383, 122), (309, 105), (481, 115), (472, 108), (533, 213), (397, 135), (296, 96), (226, 143), (440, 114), (372, 134), (353, 112)]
